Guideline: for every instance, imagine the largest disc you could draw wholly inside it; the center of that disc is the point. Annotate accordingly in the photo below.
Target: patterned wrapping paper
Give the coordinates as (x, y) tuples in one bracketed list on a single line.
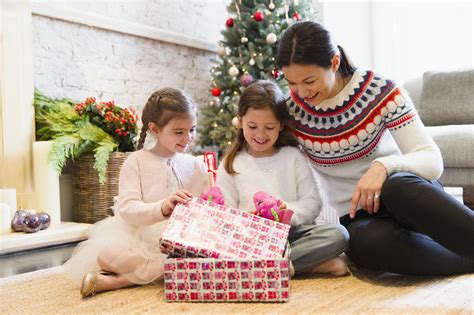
[(198, 229), (222, 280)]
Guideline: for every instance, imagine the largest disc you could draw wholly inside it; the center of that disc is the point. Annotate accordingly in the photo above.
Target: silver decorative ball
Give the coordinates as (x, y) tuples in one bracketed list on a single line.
[(271, 38), (235, 122), (233, 71), (221, 51)]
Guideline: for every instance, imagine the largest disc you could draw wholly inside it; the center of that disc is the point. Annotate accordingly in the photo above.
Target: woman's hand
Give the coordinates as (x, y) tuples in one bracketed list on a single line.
[(181, 196), (367, 193)]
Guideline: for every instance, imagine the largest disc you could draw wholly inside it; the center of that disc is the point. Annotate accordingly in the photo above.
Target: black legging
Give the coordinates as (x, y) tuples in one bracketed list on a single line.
[(419, 230)]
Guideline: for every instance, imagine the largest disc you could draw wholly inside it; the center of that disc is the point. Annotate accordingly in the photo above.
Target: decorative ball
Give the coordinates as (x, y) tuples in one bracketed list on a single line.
[(235, 122), (275, 73), (216, 91), (244, 39), (221, 51), (296, 16), (233, 71), (271, 6), (246, 79), (252, 62), (211, 103), (271, 38), (259, 16), (229, 22)]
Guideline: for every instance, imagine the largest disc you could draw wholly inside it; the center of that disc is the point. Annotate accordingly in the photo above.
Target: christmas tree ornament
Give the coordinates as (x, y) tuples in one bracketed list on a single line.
[(221, 51), (252, 62), (246, 79), (271, 6), (235, 122), (271, 38), (211, 103), (296, 16), (244, 39), (216, 91), (233, 71), (275, 73), (259, 16), (229, 22)]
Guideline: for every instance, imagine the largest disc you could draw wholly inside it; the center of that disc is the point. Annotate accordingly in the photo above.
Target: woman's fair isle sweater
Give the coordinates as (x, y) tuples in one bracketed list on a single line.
[(370, 119)]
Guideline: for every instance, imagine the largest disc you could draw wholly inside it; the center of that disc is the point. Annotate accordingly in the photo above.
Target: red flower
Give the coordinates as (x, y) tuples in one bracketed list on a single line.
[(118, 122)]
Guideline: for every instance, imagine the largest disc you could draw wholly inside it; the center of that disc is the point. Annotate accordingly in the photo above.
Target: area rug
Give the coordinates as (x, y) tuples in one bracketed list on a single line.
[(365, 292)]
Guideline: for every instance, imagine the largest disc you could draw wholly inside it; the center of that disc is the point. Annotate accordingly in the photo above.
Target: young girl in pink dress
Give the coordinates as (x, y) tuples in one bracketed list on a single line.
[(123, 250)]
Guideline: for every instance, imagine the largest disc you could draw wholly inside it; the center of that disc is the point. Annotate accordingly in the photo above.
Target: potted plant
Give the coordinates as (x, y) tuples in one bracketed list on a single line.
[(96, 136)]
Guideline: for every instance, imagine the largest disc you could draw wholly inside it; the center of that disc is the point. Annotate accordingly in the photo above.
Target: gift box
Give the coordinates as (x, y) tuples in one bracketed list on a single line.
[(199, 229), (226, 280)]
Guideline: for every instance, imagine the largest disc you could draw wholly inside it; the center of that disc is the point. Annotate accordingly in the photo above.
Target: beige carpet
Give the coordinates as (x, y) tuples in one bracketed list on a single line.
[(50, 292)]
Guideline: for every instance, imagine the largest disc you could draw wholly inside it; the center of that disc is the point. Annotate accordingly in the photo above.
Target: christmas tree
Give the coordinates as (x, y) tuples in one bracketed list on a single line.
[(246, 53)]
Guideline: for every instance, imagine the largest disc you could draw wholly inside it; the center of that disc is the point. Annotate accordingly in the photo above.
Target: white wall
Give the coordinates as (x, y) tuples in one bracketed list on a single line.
[(124, 50), (350, 25), (402, 39)]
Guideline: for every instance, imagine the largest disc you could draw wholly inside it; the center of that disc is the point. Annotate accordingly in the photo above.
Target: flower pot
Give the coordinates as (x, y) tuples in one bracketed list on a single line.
[(93, 201)]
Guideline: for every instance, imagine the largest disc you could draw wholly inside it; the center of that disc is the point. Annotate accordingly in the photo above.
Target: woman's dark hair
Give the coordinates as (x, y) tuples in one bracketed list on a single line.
[(164, 105), (260, 95), (310, 43)]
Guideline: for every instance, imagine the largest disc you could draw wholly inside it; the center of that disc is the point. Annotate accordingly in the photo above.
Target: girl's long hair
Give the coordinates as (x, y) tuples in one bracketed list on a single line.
[(260, 95)]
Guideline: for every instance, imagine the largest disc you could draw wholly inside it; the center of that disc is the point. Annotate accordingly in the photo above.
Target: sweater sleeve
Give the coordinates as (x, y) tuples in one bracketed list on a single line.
[(308, 204), (420, 155), (130, 204), (226, 183)]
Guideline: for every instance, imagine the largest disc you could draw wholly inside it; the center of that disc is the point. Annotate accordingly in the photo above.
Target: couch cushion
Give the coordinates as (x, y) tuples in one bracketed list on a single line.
[(447, 98), (456, 144)]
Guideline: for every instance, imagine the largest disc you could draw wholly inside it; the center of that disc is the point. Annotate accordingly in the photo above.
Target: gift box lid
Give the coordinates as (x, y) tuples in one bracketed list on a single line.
[(198, 229)]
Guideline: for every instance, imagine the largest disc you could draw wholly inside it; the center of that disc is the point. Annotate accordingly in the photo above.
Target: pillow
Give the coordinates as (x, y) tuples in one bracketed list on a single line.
[(447, 98)]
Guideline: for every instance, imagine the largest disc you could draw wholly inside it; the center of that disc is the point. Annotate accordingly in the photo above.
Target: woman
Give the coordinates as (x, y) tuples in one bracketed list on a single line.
[(376, 161)]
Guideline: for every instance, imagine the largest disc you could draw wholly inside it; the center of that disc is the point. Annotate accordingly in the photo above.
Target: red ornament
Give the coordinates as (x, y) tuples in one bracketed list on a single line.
[(229, 22), (275, 73), (259, 16), (216, 91), (296, 16)]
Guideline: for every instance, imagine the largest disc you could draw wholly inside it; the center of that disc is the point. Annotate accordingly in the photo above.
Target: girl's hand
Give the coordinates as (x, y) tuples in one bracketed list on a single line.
[(181, 196), (367, 192)]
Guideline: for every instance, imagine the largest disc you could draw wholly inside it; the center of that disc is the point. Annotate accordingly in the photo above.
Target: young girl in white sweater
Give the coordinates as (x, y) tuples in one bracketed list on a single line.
[(264, 157), (123, 250)]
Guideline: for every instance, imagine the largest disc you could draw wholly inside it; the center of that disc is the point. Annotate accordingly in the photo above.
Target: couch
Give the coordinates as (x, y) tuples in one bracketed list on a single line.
[(445, 103)]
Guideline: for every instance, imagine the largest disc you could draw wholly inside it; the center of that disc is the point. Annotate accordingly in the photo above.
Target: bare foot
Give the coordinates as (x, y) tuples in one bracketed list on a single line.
[(334, 266)]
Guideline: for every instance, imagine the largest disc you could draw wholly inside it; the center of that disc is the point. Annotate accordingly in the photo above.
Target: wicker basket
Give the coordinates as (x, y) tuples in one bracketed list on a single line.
[(93, 201)]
